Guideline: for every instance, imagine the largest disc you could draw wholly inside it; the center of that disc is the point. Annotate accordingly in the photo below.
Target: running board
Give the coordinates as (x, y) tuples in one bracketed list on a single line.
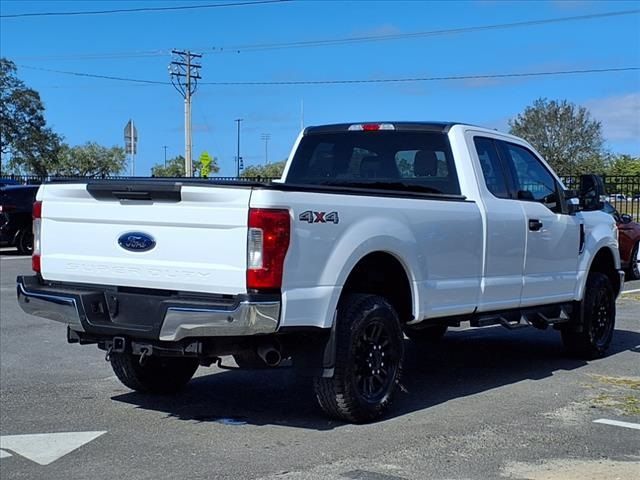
[(539, 317)]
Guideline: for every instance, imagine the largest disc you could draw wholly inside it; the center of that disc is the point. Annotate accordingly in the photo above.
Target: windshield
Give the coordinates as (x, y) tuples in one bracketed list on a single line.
[(409, 161)]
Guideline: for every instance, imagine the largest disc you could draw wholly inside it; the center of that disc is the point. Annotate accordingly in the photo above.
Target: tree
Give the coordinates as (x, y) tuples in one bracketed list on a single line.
[(272, 170), (90, 160), (26, 143), (623, 166), (175, 168), (564, 134)]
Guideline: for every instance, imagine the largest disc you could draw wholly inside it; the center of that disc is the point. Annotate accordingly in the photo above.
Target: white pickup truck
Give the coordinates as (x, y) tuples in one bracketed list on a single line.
[(375, 231)]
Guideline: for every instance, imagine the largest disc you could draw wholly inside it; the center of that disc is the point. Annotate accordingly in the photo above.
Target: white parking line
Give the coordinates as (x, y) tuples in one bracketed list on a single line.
[(617, 423), (46, 448), (21, 257), (630, 291)]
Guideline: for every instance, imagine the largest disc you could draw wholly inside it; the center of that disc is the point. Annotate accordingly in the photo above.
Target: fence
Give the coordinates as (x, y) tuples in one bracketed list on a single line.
[(37, 180), (623, 190)]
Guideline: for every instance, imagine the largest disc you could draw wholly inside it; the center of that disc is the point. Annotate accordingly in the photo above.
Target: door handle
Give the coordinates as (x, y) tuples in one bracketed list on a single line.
[(534, 224)]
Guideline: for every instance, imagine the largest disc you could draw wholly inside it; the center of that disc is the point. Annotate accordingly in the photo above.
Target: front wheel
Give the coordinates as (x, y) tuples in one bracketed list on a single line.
[(155, 375), (368, 364), (589, 334), (634, 264)]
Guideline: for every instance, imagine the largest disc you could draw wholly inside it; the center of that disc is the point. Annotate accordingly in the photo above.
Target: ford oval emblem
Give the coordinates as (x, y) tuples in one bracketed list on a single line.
[(136, 241)]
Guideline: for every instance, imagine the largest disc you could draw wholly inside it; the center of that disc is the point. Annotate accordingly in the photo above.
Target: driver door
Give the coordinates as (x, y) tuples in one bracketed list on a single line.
[(552, 235)]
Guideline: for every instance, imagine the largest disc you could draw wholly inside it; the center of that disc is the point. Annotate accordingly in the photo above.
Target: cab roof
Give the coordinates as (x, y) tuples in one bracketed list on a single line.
[(441, 127)]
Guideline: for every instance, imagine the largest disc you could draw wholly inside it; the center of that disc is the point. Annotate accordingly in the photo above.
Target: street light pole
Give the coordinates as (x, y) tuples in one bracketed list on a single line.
[(238, 158), (266, 137), (165, 155)]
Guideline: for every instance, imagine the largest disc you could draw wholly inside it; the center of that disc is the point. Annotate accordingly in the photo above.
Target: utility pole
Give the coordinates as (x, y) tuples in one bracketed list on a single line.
[(184, 77), (266, 137), (239, 165), (165, 155)]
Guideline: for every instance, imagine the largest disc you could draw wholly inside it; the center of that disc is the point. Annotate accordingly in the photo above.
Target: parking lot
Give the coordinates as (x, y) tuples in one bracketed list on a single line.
[(482, 404)]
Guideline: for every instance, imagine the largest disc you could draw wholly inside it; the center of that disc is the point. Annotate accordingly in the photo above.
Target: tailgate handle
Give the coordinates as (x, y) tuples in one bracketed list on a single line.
[(145, 190)]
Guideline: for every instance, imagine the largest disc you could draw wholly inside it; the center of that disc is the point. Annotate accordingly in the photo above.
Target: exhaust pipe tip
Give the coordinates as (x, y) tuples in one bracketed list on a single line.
[(270, 355)]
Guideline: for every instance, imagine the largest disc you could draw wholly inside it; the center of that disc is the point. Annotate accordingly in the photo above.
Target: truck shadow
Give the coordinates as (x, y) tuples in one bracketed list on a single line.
[(464, 363)]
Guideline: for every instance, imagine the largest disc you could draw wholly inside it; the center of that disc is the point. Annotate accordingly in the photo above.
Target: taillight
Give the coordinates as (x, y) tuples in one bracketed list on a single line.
[(7, 208), (37, 225), (267, 245)]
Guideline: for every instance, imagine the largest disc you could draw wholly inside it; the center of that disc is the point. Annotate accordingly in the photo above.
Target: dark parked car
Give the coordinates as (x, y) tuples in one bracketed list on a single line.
[(7, 181), (16, 204), (629, 239)]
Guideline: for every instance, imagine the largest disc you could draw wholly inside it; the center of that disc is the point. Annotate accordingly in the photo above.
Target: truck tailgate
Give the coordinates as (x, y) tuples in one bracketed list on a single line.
[(200, 238)]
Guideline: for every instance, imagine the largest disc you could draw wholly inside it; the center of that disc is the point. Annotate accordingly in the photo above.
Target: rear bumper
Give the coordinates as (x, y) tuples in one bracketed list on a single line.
[(166, 316)]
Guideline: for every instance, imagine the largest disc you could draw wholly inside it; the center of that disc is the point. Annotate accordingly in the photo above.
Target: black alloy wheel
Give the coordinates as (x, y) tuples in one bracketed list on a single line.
[(375, 361), (25, 242), (590, 332), (368, 360)]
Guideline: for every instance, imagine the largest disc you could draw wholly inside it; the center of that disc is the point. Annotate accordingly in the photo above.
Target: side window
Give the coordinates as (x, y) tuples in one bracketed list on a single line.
[(491, 166), (532, 180)]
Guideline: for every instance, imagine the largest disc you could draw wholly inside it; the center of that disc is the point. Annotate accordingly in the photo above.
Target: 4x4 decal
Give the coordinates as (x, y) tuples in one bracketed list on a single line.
[(319, 217)]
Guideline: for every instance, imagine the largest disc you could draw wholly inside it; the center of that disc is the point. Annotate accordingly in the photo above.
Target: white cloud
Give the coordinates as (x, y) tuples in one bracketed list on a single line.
[(619, 115)]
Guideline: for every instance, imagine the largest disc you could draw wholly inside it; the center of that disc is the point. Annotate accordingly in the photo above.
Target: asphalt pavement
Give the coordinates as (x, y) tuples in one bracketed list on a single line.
[(483, 404)]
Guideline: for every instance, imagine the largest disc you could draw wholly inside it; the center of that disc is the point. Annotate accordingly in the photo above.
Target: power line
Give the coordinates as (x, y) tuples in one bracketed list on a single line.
[(92, 75), (356, 81), (335, 41), (426, 79), (402, 36), (140, 9)]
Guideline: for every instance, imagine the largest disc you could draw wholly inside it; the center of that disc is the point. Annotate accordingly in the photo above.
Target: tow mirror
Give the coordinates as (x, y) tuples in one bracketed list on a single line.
[(573, 201), (592, 194)]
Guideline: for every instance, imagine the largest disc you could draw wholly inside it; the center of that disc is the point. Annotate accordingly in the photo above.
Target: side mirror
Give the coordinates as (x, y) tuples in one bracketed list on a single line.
[(626, 218), (592, 194)]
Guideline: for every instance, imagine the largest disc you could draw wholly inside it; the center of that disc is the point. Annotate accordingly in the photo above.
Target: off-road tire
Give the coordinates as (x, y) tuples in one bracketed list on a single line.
[(368, 334), (431, 334), (156, 375), (24, 242), (590, 332), (634, 267)]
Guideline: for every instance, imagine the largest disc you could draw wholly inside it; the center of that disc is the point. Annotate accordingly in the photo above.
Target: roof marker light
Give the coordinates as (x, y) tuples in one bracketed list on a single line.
[(371, 127)]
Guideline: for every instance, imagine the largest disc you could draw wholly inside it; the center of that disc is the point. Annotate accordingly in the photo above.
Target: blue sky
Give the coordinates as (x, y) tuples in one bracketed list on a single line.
[(89, 109)]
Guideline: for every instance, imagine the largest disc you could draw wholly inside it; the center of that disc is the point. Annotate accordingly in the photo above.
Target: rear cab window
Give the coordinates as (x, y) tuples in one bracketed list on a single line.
[(492, 169), (390, 160)]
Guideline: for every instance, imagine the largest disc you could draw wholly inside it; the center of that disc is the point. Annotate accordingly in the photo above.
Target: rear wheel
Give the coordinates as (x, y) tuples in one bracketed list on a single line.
[(25, 242), (155, 375), (369, 354), (634, 264), (589, 334), (431, 334)]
